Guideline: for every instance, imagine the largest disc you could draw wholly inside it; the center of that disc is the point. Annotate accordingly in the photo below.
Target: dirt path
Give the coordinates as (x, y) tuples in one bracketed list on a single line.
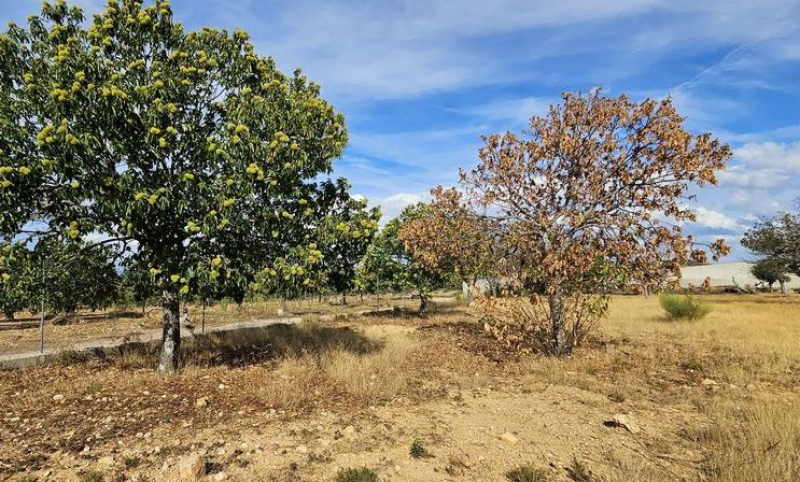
[(470, 436)]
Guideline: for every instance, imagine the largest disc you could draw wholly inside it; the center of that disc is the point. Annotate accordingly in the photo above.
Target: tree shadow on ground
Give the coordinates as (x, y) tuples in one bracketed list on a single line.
[(242, 347)]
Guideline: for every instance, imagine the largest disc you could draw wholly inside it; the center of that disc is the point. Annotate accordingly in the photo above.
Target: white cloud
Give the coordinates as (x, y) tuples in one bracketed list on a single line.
[(392, 206), (517, 110), (401, 48), (780, 156), (758, 201), (740, 176), (709, 218)]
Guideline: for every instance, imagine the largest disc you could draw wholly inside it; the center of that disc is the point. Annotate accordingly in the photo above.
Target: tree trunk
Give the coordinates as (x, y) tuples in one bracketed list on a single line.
[(558, 336), (203, 328), (9, 315), (770, 287), (470, 286), (171, 335), (344, 298), (423, 304), (783, 287)]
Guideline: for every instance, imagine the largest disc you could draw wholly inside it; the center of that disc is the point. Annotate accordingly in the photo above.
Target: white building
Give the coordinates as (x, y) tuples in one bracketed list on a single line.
[(727, 274), (721, 274)]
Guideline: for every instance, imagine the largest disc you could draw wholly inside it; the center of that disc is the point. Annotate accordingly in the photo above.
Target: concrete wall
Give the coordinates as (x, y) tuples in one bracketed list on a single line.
[(721, 274), (724, 274)]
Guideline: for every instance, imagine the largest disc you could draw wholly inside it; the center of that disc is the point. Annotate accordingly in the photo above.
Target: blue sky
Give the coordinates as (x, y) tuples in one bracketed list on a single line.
[(420, 81)]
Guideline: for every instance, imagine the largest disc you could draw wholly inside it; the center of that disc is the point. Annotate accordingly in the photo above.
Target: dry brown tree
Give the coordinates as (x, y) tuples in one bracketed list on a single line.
[(593, 194), (447, 237)]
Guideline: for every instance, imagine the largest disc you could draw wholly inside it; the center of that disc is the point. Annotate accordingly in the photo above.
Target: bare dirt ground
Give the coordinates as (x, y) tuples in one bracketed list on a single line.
[(714, 400)]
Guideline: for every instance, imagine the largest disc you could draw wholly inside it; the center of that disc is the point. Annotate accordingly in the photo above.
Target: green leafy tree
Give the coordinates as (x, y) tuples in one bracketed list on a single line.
[(187, 146), (72, 275), (771, 271), (346, 232), (15, 279), (388, 260), (777, 239), (65, 276), (138, 286)]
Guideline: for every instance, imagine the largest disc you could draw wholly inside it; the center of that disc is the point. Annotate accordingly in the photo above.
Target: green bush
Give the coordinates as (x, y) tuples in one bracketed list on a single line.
[(684, 307), (356, 475)]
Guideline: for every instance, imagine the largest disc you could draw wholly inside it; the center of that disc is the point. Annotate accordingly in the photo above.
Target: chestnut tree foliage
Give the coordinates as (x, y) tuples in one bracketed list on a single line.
[(63, 275), (16, 283), (447, 237), (594, 193), (185, 148), (389, 265)]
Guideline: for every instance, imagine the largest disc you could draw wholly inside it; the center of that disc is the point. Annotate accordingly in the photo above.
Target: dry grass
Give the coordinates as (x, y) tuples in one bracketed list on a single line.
[(362, 375), (743, 426), (754, 441), (749, 420)]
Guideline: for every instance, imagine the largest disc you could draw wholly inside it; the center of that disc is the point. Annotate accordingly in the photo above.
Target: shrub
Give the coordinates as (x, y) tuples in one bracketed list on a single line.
[(417, 450), (526, 473), (684, 307), (362, 474)]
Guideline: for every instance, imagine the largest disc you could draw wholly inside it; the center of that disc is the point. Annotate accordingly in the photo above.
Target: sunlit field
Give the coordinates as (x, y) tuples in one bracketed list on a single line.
[(715, 399)]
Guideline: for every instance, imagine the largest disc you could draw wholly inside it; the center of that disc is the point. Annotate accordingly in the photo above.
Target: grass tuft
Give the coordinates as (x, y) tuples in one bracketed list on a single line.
[(362, 474), (90, 476), (526, 473)]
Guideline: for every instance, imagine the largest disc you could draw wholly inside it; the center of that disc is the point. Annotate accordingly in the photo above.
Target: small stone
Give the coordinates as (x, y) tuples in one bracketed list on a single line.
[(709, 382), (349, 430), (621, 420), (201, 402), (106, 461), (58, 397), (220, 476), (509, 437), (192, 467), (301, 449)]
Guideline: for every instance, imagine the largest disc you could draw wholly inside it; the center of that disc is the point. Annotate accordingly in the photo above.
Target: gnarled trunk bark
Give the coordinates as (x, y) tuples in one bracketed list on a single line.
[(558, 334), (169, 362)]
